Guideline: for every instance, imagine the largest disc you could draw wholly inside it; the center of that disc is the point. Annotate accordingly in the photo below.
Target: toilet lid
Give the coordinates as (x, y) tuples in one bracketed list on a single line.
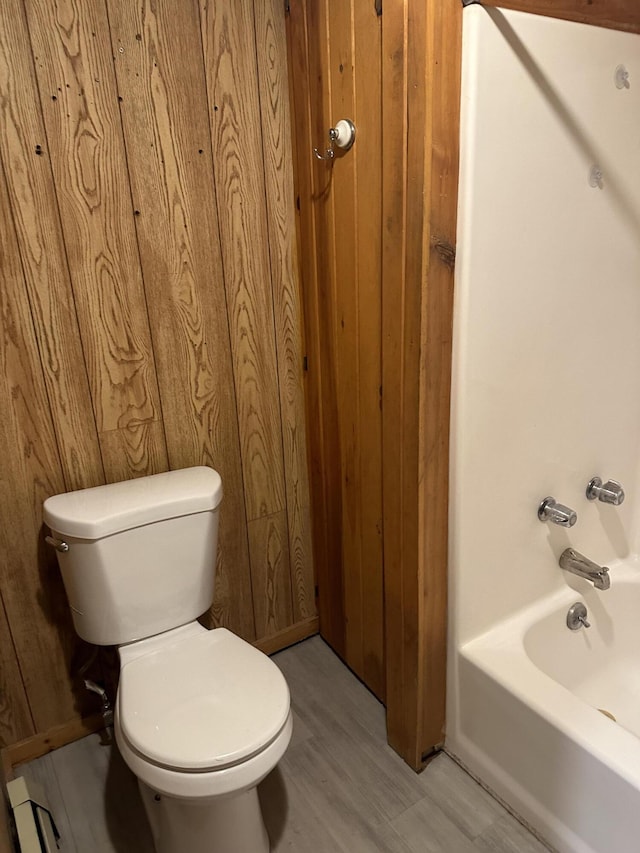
[(202, 703)]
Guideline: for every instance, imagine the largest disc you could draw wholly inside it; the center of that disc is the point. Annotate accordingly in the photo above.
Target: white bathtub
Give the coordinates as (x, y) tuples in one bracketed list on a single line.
[(529, 724)]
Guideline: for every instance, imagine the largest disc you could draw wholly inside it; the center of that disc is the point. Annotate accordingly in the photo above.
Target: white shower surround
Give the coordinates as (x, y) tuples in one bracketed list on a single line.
[(546, 394)]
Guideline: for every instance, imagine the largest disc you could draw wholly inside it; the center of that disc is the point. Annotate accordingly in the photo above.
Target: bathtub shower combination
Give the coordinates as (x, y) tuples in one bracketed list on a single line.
[(544, 678)]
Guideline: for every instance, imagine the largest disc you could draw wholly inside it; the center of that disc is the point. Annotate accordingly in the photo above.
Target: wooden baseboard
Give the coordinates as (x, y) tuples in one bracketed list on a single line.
[(289, 636), (40, 744)]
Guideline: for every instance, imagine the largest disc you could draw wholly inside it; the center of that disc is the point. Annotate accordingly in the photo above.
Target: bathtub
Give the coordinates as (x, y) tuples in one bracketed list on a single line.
[(530, 725)]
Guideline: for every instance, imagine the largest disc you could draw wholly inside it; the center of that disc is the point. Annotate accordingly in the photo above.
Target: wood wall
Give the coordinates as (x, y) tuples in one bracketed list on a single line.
[(149, 304), (336, 67)]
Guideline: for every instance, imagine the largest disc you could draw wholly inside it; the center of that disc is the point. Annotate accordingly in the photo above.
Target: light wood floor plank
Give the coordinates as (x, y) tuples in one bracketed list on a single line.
[(506, 835), (338, 789)]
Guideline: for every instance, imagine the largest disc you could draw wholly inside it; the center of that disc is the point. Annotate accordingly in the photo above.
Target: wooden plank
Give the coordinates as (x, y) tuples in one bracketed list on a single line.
[(74, 68), (135, 451), (367, 40), (421, 72), (444, 49), (165, 121), (401, 699), (228, 35), (614, 14), (271, 581), (40, 744), (322, 328), (342, 305), (32, 591), (42, 252), (271, 52), (326, 550), (293, 634), (15, 717)]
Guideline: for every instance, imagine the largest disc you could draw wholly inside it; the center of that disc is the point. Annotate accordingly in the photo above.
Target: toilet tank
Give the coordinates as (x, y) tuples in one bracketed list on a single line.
[(141, 554)]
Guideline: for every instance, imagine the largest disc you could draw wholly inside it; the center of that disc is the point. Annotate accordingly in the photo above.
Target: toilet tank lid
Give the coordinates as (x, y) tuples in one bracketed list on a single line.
[(104, 510)]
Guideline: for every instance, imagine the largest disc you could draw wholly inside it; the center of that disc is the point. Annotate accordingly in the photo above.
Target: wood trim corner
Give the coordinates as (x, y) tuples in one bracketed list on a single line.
[(288, 637), (421, 95), (612, 14)]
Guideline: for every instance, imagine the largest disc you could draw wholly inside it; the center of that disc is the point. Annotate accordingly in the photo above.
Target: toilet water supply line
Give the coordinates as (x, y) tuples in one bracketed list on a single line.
[(107, 710)]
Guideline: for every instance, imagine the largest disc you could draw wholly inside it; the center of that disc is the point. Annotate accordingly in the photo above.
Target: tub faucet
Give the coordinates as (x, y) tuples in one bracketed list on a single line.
[(576, 563)]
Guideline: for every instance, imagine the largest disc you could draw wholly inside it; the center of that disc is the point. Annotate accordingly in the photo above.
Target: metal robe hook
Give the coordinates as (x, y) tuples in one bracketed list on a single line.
[(343, 135)]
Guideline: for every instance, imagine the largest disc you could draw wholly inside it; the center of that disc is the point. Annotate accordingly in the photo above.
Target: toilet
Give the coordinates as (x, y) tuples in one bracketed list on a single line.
[(201, 716)]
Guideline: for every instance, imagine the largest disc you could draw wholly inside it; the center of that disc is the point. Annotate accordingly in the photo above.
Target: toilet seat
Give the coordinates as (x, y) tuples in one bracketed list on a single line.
[(201, 786), (199, 701)]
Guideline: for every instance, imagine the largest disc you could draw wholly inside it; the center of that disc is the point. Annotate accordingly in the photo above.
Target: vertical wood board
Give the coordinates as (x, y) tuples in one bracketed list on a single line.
[(169, 154), (228, 33), (367, 40), (31, 584), (444, 48), (35, 214), (271, 51), (269, 548), (77, 88), (303, 142)]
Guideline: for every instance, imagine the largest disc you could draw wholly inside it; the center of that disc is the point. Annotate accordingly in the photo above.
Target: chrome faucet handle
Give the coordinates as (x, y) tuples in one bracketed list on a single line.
[(577, 617), (610, 492), (551, 510)]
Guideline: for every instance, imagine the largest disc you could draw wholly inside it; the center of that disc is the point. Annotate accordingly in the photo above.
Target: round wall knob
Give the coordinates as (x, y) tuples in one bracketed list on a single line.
[(345, 134)]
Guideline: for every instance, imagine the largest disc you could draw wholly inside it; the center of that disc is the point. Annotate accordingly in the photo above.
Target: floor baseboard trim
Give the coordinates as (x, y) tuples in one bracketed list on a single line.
[(289, 636)]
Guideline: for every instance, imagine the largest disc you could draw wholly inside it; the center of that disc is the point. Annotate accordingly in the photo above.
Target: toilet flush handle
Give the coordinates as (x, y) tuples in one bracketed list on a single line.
[(58, 544)]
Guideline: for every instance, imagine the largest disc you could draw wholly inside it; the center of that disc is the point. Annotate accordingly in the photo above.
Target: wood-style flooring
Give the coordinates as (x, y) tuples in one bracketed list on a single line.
[(339, 788)]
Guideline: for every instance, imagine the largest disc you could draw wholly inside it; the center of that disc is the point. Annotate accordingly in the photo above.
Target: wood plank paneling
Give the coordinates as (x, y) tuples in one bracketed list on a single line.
[(342, 289), (123, 348), (228, 34), (396, 475), (35, 214), (31, 585), (15, 717), (321, 329), (340, 74), (134, 451), (165, 119), (377, 299), (271, 46), (268, 544), (74, 68), (367, 46), (321, 419), (614, 14)]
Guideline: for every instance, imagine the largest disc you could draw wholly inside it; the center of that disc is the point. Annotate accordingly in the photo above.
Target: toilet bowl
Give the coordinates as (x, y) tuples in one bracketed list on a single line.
[(201, 715), (200, 748)]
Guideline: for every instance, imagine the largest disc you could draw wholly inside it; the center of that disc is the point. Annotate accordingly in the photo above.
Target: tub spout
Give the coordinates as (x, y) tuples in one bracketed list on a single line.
[(576, 563)]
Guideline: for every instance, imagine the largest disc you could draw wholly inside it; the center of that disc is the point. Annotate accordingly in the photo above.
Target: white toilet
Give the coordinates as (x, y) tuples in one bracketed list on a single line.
[(201, 716)]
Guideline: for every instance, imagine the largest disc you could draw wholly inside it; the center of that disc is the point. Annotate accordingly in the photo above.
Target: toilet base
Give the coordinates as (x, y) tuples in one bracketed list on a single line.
[(229, 824)]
